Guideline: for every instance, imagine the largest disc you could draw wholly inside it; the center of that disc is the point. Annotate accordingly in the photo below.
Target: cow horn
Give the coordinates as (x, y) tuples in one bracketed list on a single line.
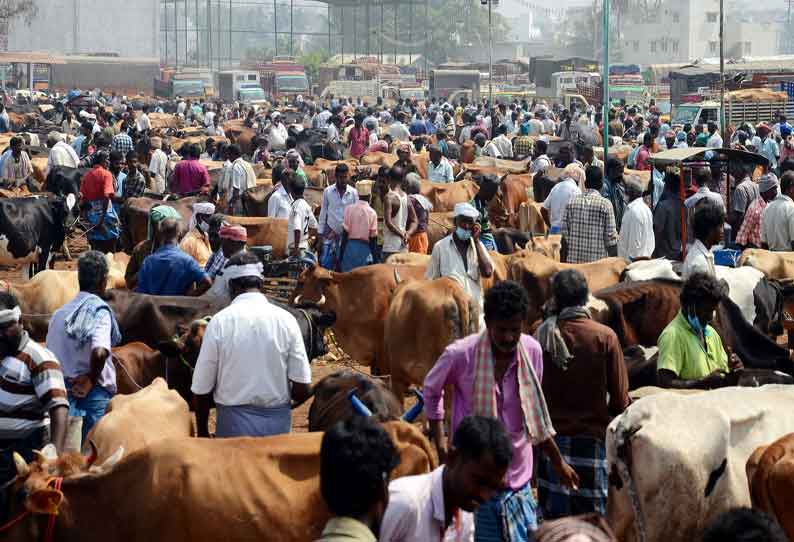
[(299, 300), (111, 461), (21, 465), (92, 455), (414, 412), (358, 407)]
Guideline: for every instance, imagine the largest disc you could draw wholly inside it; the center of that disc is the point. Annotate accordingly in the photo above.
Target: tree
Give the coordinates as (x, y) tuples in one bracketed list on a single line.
[(312, 62)]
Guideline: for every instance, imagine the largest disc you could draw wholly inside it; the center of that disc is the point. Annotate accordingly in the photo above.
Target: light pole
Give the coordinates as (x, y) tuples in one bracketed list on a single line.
[(605, 77), (722, 70), (490, 53)]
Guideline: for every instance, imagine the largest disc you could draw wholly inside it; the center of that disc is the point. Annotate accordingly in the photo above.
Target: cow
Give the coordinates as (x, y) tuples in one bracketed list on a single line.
[(135, 217), (534, 272), (32, 229), (439, 225), (62, 180), (775, 265), (264, 231), (386, 159), (205, 482), (255, 200), (512, 193), (511, 240), (446, 313), (331, 404), (409, 258), (677, 461), (137, 420), (360, 299), (770, 474), (444, 196)]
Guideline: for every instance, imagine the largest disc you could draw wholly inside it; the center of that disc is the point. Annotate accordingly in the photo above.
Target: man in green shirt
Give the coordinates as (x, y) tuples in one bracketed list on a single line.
[(691, 354)]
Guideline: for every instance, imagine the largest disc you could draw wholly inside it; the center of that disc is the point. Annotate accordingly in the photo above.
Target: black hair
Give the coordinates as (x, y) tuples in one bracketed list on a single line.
[(356, 458), (244, 283), (702, 287), (8, 300), (542, 146), (672, 182), (702, 176), (594, 178), (99, 157), (707, 217), (480, 435), (786, 165), (505, 300), (743, 525), (92, 270), (786, 181), (115, 156), (234, 150), (342, 168), (569, 287)]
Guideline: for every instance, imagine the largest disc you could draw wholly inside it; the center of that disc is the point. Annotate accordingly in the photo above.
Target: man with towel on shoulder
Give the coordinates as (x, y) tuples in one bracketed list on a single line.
[(252, 360)]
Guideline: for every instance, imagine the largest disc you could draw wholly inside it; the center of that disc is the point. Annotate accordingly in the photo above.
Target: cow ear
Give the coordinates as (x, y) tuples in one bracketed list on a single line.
[(181, 329), (170, 348), (326, 319), (44, 501)]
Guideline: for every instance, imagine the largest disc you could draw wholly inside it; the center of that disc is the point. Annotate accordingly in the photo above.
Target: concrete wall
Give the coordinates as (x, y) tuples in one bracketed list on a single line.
[(126, 27), (752, 39)]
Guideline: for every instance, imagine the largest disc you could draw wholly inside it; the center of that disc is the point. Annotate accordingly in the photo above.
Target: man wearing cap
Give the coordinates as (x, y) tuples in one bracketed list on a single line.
[(233, 240), (404, 158), (301, 224), (61, 154), (637, 241), (360, 235), (749, 234), (252, 360), (278, 132), (332, 213), (461, 255), (196, 242), (168, 270), (777, 221)]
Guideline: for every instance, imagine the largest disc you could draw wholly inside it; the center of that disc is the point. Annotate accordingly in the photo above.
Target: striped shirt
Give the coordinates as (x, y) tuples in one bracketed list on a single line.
[(31, 384)]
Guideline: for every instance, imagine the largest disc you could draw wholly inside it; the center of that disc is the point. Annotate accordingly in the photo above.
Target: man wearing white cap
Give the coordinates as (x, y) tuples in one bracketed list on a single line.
[(278, 132), (196, 242), (360, 231), (636, 231), (461, 255), (252, 360)]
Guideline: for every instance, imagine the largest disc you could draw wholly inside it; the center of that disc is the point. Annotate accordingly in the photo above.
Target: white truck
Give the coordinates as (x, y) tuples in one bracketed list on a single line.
[(241, 86), (736, 113), (370, 89)]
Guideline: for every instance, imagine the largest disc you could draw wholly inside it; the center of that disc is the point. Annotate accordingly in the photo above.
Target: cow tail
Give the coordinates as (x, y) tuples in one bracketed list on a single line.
[(623, 436)]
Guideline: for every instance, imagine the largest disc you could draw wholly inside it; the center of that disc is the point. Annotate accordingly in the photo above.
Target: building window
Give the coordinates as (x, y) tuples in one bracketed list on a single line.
[(675, 46), (636, 46), (712, 16), (653, 46), (663, 43), (748, 48), (676, 17)]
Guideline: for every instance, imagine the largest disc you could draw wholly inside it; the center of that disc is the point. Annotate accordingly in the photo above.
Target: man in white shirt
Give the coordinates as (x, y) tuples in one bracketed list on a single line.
[(439, 169), (708, 224), (702, 180), (143, 123), (636, 231), (549, 126), (715, 139), (252, 360), (302, 223), (554, 204), (332, 213), (278, 133), (158, 165), (180, 108), (777, 222), (243, 178), (502, 142), (438, 506), (61, 154), (398, 131), (280, 203), (535, 125), (540, 160)]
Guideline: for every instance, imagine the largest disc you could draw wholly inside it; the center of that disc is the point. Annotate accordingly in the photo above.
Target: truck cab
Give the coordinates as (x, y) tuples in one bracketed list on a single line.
[(695, 113)]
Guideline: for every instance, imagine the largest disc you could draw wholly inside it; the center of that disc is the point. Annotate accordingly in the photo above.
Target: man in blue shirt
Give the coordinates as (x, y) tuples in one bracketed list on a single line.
[(169, 271), (418, 127)]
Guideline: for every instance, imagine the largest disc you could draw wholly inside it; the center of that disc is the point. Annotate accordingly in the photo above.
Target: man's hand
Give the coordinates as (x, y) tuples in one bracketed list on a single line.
[(734, 363), (81, 386), (476, 231), (568, 476), (715, 379)]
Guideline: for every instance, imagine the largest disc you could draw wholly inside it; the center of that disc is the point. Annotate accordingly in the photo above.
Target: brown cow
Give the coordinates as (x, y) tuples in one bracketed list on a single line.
[(360, 299), (444, 196), (513, 192), (379, 159), (439, 225), (138, 420), (534, 272), (138, 365), (770, 474), (446, 313), (264, 231), (208, 481)]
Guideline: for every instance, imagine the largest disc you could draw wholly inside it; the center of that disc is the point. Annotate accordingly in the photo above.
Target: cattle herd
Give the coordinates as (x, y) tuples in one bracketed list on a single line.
[(676, 460)]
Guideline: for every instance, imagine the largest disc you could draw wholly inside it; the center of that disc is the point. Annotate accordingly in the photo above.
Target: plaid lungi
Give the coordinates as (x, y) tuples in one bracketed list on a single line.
[(587, 456)]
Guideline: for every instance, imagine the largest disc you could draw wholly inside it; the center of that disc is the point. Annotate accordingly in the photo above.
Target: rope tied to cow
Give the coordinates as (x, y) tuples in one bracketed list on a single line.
[(117, 361)]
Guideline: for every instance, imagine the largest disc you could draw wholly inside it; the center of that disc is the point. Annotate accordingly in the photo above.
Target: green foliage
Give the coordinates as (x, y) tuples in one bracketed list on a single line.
[(312, 62)]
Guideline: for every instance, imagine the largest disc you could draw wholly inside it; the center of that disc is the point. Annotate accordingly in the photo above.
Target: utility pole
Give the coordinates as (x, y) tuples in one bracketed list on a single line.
[(605, 77), (490, 53), (722, 70)]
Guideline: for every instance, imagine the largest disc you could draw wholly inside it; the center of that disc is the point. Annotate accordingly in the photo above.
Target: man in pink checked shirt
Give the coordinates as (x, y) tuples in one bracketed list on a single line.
[(497, 373)]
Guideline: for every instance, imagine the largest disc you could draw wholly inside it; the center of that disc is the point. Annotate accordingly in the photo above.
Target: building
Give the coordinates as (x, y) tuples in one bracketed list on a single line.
[(127, 28)]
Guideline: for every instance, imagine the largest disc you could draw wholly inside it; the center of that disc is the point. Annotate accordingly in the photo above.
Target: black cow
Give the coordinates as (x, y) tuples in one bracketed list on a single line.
[(62, 180), (31, 229), (312, 323)]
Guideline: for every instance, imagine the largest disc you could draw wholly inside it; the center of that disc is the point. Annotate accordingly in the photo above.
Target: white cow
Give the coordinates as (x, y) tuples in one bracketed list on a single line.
[(676, 462)]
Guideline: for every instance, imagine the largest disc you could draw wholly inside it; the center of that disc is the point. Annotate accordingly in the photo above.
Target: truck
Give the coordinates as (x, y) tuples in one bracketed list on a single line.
[(241, 86), (736, 113), (282, 78), (185, 83), (445, 83), (370, 90)]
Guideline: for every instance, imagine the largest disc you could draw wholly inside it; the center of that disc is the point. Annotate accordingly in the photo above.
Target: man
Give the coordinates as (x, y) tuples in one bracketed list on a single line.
[(278, 132), (535, 125), (143, 123), (83, 141), (332, 213), (559, 196), (168, 270), (404, 159), (301, 224), (158, 165), (588, 224), (497, 373), (81, 335), (357, 457), (97, 192), (703, 180), (122, 143), (715, 139), (691, 355), (707, 225), (69, 126), (667, 220), (489, 186), (586, 384), (233, 241), (777, 222), (196, 243), (61, 154), (243, 178), (461, 255), (133, 183), (398, 131), (358, 137), (190, 175), (418, 242), (280, 203), (637, 240), (540, 161), (749, 235), (439, 169), (17, 168), (400, 221), (33, 387), (438, 506), (644, 154), (360, 235), (745, 193), (767, 146), (217, 260), (502, 142), (614, 189), (252, 360)]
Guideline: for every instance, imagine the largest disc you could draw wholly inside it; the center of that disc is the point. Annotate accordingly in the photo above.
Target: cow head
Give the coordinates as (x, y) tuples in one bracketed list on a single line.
[(316, 283), (181, 354), (313, 323)]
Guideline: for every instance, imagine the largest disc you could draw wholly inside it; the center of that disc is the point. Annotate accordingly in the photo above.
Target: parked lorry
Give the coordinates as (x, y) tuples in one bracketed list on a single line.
[(185, 83), (446, 83), (282, 78), (736, 112), (370, 90), (241, 86)]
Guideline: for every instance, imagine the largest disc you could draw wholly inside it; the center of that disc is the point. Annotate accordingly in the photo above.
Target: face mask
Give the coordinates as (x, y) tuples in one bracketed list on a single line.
[(462, 234), (694, 322)]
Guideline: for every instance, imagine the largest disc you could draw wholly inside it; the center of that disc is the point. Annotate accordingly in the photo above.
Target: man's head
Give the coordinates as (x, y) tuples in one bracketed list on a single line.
[(703, 177), (478, 459), (787, 183), (647, 140), (101, 158), (569, 288), (357, 457), (244, 271), (700, 296), (404, 152), (233, 152), (396, 177), (480, 140), (768, 186), (593, 178), (233, 239), (92, 272), (541, 147), (53, 138), (708, 223), (10, 325), (489, 186), (506, 305), (342, 173), (215, 223), (116, 160), (132, 162), (16, 146), (297, 186), (743, 525), (413, 183), (168, 231), (712, 127), (634, 188), (435, 154)]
